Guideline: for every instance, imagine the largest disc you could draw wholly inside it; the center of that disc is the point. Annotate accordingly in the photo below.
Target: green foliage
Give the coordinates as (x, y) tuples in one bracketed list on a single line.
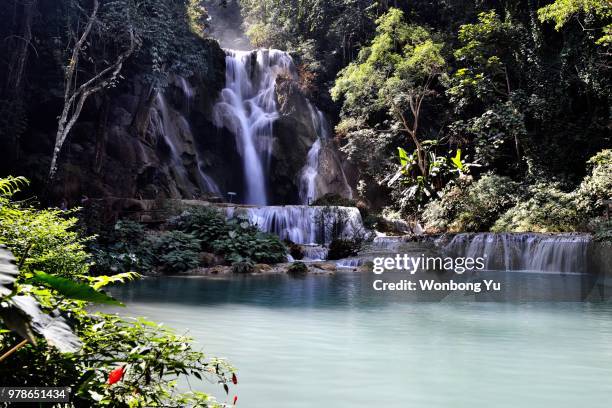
[(124, 248), (597, 185), (547, 208), (176, 251), (41, 239), (297, 268), (38, 305), (205, 223), (71, 289), (561, 11), (471, 206), (417, 189), (244, 242), (334, 200), (236, 239)]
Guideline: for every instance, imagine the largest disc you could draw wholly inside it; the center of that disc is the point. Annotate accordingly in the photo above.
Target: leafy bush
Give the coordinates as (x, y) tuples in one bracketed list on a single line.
[(124, 248), (42, 238), (471, 206), (251, 245), (297, 268), (331, 199), (597, 185), (343, 248), (243, 266), (602, 229), (205, 223), (176, 251), (548, 209), (236, 239), (149, 359)]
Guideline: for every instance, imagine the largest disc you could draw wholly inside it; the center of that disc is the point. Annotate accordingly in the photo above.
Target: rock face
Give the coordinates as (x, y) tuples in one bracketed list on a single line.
[(134, 142)]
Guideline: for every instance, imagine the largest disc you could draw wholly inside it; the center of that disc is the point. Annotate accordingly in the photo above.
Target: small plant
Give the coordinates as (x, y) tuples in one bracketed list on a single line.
[(243, 266), (176, 251), (297, 268)]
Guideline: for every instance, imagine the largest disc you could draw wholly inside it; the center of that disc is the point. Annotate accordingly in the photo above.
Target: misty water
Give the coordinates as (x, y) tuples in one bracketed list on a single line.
[(332, 341)]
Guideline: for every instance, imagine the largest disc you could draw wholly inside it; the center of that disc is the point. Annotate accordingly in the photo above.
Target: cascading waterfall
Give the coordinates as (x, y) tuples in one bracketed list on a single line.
[(171, 125), (247, 108), (301, 224), (310, 171), (308, 188), (565, 253)]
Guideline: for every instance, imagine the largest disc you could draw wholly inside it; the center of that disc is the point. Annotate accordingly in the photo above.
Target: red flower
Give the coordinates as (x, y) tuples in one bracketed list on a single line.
[(234, 379), (116, 375), (235, 399)]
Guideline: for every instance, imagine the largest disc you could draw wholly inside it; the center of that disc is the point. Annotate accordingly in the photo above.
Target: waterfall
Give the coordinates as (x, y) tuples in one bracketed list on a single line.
[(310, 171), (524, 252), (247, 108), (302, 224), (314, 252), (174, 129), (308, 186)]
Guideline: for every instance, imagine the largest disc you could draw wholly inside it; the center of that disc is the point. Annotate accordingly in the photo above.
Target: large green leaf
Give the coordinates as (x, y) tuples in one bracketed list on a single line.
[(8, 271), (23, 315), (73, 290)]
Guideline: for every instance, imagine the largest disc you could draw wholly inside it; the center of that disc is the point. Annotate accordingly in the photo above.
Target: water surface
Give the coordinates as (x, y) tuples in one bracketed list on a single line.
[(331, 341)]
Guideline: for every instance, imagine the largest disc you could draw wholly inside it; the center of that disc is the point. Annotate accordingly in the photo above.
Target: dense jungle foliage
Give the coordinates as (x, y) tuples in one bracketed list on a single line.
[(513, 94)]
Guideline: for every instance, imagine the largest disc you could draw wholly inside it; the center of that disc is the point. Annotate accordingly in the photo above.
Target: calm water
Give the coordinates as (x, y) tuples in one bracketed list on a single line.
[(331, 341)]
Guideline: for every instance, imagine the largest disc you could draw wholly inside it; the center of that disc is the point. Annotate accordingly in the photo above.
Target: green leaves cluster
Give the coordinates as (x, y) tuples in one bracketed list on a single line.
[(47, 302), (236, 239)]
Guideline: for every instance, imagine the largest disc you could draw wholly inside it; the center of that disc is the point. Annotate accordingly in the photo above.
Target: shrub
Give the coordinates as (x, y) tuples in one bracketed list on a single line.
[(155, 359), (597, 185), (471, 206), (42, 239), (176, 251), (331, 199), (236, 239), (243, 266), (343, 248), (124, 248), (548, 209), (602, 229), (297, 268), (255, 246), (205, 223)]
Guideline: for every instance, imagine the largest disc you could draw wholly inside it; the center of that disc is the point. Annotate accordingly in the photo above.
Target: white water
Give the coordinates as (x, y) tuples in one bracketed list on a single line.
[(173, 127), (565, 253), (314, 252), (310, 171), (247, 108), (301, 224)]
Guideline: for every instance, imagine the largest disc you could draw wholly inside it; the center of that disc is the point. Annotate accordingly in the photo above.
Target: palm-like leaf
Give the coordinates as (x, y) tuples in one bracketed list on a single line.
[(73, 290)]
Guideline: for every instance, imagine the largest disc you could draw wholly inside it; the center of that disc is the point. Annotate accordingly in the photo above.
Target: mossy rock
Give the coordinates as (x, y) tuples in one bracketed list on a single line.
[(298, 268)]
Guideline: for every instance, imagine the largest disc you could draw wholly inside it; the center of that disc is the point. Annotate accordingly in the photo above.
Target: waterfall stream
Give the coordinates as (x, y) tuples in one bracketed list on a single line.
[(302, 224), (247, 108), (565, 253), (174, 129)]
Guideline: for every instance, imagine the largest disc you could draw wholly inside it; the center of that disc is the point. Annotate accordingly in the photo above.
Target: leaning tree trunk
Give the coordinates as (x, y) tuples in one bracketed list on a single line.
[(75, 96)]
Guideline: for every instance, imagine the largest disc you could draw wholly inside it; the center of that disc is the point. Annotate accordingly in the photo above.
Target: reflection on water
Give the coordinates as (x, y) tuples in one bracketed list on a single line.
[(332, 341)]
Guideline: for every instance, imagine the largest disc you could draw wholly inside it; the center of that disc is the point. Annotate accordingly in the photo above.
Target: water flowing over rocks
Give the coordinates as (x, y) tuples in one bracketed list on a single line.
[(301, 224), (566, 253)]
